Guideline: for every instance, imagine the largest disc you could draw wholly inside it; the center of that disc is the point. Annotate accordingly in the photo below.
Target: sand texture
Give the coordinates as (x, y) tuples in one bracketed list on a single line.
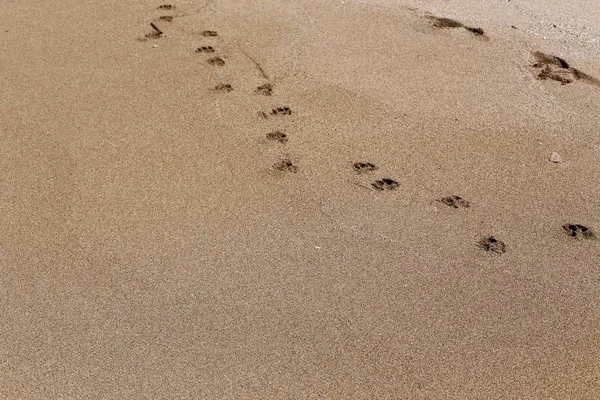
[(315, 199)]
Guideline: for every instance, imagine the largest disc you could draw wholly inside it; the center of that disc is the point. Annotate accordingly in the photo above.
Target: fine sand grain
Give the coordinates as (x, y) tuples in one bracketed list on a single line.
[(235, 199)]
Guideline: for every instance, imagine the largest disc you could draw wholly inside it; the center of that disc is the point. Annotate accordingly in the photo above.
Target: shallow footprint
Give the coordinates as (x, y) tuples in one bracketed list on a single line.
[(281, 111), (363, 167), (557, 69), (205, 49), (155, 34), (285, 165), (217, 61), (385, 184), (492, 245), (209, 33), (450, 23), (265, 90), (151, 35), (578, 231), (455, 202), (277, 136), (224, 87), (445, 22)]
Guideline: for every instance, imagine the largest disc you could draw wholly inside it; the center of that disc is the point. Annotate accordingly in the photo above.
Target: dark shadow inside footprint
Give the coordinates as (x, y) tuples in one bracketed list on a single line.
[(363, 167), (546, 59), (152, 35), (557, 69), (450, 23), (281, 111), (217, 61), (155, 34), (476, 31), (209, 33), (205, 49), (492, 245), (166, 7), (277, 136), (578, 231), (445, 23), (286, 165), (455, 202), (265, 90), (385, 184), (224, 87), (560, 76)]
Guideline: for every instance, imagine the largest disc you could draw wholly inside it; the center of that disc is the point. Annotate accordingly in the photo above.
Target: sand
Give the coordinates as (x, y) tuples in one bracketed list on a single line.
[(165, 235)]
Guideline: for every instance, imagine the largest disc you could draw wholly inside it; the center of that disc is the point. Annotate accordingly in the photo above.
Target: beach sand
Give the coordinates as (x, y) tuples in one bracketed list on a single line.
[(165, 235)]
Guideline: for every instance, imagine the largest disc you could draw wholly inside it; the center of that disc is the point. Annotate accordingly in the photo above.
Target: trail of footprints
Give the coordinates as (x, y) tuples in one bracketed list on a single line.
[(547, 67)]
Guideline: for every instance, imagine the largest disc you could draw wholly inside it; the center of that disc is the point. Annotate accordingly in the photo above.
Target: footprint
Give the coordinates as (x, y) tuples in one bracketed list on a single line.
[(151, 35), (277, 136), (385, 184), (205, 49), (362, 167), (445, 22), (476, 31), (450, 23), (492, 245), (265, 90), (166, 18), (218, 61), (224, 87), (166, 7), (209, 33), (557, 69), (548, 72), (285, 165), (455, 202), (546, 59), (281, 111), (155, 34), (578, 231)]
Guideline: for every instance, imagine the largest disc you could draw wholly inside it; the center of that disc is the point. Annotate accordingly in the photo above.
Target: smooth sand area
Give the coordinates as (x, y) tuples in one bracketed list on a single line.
[(300, 199)]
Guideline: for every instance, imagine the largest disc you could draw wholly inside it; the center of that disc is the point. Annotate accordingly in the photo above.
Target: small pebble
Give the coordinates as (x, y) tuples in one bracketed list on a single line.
[(555, 157)]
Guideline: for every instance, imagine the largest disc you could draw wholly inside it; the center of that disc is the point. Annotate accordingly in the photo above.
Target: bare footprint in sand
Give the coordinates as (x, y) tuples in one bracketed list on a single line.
[(165, 7), (578, 231), (557, 69), (205, 49), (445, 22), (277, 136), (151, 36), (492, 245), (224, 87), (364, 167), (265, 90), (455, 202), (155, 34), (216, 61), (166, 18), (281, 111), (286, 165), (450, 23), (385, 184), (209, 33)]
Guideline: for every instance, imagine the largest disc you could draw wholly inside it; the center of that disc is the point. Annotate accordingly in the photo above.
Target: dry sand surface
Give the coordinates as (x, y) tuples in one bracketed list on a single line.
[(170, 231)]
